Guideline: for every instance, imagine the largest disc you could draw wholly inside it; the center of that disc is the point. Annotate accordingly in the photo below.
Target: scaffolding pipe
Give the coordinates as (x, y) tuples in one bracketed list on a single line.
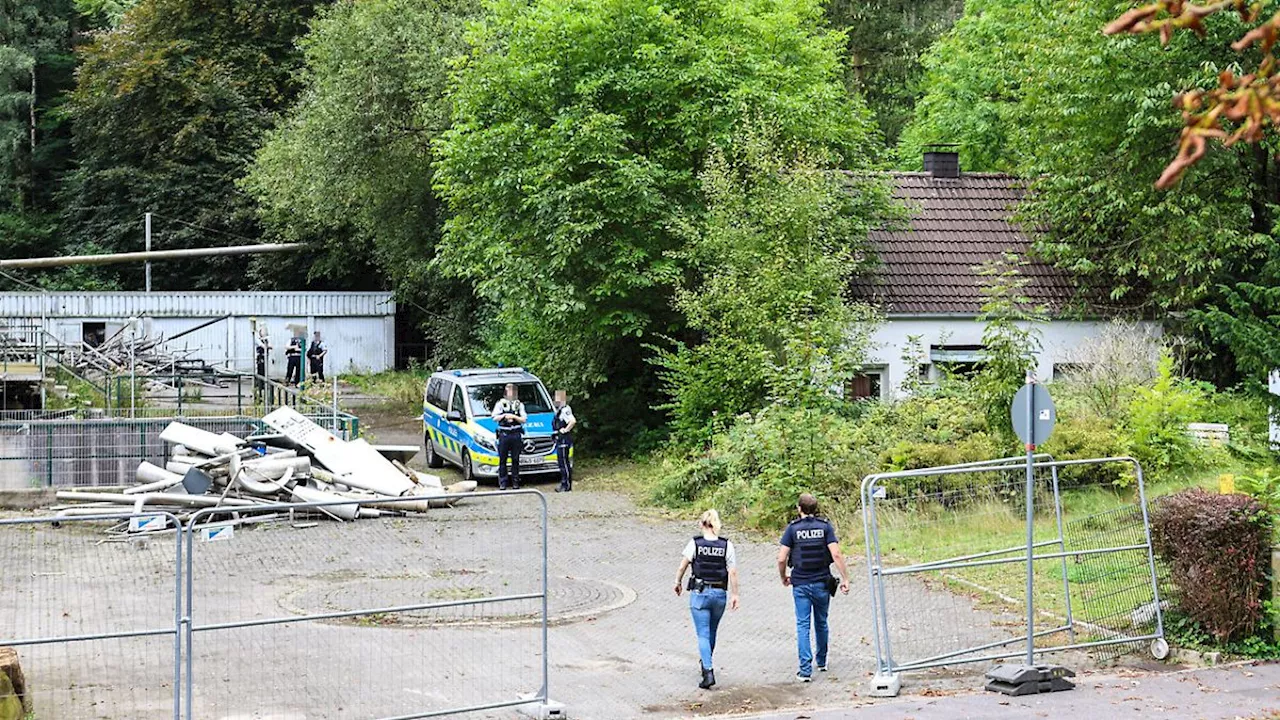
[(112, 258)]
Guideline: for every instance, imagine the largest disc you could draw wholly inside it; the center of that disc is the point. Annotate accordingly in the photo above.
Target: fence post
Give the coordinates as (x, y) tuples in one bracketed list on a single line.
[(48, 457), (179, 396)]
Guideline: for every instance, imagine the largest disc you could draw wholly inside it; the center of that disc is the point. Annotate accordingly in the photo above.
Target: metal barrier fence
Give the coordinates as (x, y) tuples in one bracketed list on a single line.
[(97, 625), (946, 550), (106, 452), (284, 613)]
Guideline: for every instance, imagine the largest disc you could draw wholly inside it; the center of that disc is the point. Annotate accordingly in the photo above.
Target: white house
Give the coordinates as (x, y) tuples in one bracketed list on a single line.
[(929, 287)]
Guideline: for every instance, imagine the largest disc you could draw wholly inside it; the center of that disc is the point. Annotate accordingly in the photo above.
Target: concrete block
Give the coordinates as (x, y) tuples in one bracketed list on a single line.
[(13, 687), (27, 498)]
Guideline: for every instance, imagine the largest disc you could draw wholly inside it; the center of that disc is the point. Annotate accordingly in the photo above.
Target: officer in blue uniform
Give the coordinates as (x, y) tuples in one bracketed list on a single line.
[(808, 547), (715, 576), (510, 415), (562, 424)]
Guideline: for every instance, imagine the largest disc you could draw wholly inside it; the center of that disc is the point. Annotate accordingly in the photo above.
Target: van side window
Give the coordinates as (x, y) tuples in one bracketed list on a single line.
[(458, 403), (434, 396)]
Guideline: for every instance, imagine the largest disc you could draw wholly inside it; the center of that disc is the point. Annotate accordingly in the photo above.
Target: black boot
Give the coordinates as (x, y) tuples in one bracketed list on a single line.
[(708, 679)]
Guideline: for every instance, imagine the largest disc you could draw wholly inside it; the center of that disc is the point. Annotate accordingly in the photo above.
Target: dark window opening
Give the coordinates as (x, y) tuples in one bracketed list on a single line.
[(93, 333)]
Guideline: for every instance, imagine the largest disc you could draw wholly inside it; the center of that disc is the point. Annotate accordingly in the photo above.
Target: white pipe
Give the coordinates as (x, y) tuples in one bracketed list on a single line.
[(154, 498), (305, 494), (192, 438), (154, 479)]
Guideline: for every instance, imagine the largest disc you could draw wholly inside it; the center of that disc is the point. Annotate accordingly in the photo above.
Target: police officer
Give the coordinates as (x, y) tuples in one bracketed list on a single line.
[(808, 547), (715, 571), (293, 358), (510, 415), (562, 424), (261, 351), (315, 357)]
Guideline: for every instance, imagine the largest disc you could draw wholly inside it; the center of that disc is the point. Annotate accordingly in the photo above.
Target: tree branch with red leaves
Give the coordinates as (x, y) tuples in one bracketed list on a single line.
[(1248, 103)]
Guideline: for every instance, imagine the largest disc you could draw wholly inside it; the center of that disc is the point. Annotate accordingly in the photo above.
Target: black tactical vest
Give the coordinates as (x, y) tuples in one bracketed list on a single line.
[(557, 422), (507, 424), (711, 560), (809, 554)]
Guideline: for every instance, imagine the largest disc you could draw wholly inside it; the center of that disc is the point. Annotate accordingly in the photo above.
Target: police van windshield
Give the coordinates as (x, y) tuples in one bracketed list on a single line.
[(531, 394)]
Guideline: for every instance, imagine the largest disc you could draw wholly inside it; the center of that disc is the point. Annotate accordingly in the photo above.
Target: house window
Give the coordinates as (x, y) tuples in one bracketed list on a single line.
[(93, 333), (1067, 371), (865, 386), (957, 360)]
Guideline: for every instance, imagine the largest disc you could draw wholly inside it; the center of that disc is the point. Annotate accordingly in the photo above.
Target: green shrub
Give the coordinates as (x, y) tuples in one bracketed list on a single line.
[(1158, 418), (756, 468), (1218, 551), (1084, 436)]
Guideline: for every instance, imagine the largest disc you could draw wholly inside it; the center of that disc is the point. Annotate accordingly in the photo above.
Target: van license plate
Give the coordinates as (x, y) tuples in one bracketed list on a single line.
[(531, 460)]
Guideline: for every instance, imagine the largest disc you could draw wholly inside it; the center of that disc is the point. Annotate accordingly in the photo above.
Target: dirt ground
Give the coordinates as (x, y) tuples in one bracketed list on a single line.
[(621, 644)]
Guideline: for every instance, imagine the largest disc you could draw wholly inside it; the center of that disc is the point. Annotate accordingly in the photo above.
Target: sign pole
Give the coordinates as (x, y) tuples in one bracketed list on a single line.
[(1031, 519), (1033, 416)]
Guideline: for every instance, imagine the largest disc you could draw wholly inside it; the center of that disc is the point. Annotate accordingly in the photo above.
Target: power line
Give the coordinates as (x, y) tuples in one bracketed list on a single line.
[(207, 229)]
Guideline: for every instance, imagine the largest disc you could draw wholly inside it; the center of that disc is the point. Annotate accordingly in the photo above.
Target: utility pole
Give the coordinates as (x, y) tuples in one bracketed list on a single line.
[(148, 250)]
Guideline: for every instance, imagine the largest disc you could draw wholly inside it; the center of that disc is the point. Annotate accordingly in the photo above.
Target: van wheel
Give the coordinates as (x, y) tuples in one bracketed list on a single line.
[(468, 472), (433, 459)]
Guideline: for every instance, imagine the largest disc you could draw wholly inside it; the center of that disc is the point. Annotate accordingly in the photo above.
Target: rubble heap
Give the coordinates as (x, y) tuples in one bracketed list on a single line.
[(298, 462)]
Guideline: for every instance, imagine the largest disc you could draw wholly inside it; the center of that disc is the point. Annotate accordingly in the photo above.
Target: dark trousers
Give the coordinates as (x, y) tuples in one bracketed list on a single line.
[(317, 368), (509, 446), (564, 445), (259, 371), (293, 370)]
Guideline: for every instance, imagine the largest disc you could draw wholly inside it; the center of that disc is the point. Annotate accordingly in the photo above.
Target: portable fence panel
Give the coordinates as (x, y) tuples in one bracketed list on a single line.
[(947, 562), (93, 617), (106, 452), (413, 616)]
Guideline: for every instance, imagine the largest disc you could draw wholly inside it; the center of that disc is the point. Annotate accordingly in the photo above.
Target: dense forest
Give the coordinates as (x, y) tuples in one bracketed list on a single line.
[(561, 183)]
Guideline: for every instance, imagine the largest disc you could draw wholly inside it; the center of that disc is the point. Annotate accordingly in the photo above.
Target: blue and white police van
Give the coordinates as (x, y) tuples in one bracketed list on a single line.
[(458, 429)]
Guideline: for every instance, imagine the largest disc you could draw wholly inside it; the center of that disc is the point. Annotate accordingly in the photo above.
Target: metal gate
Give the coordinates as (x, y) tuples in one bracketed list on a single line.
[(946, 558)]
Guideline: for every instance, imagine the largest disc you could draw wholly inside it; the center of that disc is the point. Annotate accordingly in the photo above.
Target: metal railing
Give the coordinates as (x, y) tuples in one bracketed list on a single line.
[(934, 531), (387, 617)]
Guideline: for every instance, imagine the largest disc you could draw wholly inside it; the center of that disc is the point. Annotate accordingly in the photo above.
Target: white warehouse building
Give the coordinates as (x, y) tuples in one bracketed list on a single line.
[(358, 327), (929, 287)]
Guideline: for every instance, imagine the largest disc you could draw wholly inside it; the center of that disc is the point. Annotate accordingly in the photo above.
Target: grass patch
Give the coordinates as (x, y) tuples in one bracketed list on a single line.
[(401, 389)]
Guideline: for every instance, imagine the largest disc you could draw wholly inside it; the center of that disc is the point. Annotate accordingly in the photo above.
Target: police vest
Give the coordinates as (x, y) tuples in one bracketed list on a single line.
[(711, 560), (508, 424), (809, 553), (558, 423)]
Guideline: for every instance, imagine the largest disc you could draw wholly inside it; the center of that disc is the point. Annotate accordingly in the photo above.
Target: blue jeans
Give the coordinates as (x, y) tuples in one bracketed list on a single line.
[(707, 607), (811, 599)]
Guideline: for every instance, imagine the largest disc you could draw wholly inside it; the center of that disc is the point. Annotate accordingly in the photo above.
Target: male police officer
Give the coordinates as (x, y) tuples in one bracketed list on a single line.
[(315, 356), (809, 546), (562, 424), (509, 412), (293, 356)]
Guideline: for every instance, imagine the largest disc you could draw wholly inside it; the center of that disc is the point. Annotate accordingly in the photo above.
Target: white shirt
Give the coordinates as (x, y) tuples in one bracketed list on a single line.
[(507, 407), (730, 557), (566, 414)]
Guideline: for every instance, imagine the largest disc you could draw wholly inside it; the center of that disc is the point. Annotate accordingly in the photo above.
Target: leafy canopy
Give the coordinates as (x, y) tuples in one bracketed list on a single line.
[(579, 129)]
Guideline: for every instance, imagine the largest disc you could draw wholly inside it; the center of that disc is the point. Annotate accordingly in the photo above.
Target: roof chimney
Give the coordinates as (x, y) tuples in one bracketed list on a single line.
[(942, 160)]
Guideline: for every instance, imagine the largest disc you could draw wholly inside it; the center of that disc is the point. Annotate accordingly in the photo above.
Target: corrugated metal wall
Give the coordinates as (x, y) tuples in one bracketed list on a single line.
[(195, 304), (359, 328)]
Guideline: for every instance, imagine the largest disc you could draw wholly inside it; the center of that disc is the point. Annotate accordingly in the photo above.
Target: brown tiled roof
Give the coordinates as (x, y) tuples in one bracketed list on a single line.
[(956, 225)]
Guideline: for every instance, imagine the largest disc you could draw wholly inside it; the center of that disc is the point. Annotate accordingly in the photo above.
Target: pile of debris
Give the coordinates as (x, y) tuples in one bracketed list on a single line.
[(299, 462)]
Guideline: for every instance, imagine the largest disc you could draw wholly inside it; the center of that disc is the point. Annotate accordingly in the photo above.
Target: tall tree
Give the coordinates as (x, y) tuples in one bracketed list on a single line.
[(1035, 88), (886, 40), (579, 129), (171, 105), (352, 160)]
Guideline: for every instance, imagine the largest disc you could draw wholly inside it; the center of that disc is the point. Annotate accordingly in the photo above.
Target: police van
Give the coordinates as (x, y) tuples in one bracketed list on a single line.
[(458, 429)]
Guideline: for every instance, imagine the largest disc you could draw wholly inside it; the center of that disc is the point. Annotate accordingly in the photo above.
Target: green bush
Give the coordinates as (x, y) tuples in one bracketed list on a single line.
[(1084, 436), (1158, 418), (1218, 550), (755, 469)]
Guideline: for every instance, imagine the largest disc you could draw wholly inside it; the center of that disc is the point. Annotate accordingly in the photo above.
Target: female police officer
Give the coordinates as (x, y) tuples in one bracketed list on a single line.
[(715, 570)]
